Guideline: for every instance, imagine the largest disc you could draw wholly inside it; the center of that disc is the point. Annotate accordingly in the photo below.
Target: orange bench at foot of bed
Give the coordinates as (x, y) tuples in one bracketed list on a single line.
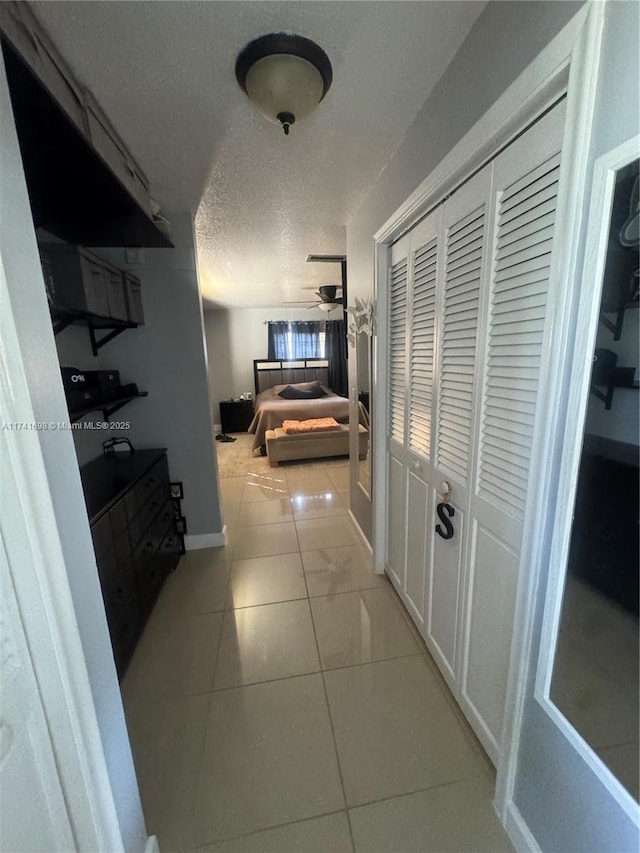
[(313, 445), (310, 425)]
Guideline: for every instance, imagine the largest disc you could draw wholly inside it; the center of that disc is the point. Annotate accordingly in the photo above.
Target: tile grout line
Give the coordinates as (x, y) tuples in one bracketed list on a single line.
[(328, 708), (266, 829)]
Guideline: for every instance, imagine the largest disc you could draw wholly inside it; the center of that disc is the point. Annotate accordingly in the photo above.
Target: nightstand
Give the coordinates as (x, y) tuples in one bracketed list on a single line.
[(235, 415)]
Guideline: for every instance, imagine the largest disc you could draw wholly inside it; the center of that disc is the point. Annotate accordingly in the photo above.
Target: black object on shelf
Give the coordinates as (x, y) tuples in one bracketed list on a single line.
[(107, 408)]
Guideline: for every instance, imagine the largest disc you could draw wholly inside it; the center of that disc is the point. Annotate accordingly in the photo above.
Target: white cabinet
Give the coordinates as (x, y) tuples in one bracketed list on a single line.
[(466, 311)]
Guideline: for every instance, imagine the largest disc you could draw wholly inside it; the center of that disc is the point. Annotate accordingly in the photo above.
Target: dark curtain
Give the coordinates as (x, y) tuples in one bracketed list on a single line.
[(299, 339), (335, 349)]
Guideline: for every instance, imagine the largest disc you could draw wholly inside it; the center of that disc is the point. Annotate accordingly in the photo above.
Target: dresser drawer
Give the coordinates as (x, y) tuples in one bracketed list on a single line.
[(150, 482), (102, 535), (150, 510), (118, 517), (107, 565), (124, 635), (118, 593), (122, 547)]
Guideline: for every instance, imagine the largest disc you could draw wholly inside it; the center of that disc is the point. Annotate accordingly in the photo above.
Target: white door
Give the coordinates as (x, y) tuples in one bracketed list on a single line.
[(525, 189), (34, 813), (467, 299), (412, 306), (464, 226)]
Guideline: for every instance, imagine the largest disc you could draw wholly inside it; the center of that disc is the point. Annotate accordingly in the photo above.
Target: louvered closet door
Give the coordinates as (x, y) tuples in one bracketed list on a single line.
[(464, 237), (525, 185), (397, 308), (412, 307), (424, 269)]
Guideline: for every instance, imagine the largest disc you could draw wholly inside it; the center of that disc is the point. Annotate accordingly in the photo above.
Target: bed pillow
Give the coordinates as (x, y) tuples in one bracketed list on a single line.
[(295, 392)]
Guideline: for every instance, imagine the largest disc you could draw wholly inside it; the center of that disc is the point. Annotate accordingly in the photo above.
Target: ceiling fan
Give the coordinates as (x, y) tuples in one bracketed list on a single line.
[(328, 298)]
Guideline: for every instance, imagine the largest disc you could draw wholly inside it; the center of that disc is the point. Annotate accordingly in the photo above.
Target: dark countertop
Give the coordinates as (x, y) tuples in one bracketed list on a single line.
[(106, 478)]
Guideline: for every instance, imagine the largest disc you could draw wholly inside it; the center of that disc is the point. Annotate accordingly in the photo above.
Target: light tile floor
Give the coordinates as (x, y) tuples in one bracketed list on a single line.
[(281, 700)]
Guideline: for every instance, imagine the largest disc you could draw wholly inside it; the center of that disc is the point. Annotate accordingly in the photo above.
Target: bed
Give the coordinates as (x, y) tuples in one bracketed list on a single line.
[(271, 409)]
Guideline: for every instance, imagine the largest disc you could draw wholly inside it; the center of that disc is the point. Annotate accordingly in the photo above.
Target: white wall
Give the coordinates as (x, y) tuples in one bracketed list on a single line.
[(167, 357), (504, 40), (237, 336), (31, 315)]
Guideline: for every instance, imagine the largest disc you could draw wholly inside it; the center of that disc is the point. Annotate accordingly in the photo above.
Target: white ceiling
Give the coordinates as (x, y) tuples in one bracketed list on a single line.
[(164, 73)]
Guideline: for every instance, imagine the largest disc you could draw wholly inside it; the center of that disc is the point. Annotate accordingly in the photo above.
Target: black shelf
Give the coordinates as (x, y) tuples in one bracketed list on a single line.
[(62, 319), (107, 407), (73, 193)]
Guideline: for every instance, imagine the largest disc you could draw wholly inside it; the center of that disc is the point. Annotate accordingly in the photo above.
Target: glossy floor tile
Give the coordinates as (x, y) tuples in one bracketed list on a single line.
[(273, 511), (329, 834), (359, 627), (200, 586), (319, 532), (332, 570), (263, 540), (277, 683), (167, 739), (305, 485), (395, 730), (263, 580), (457, 818), (320, 505), (173, 659), (264, 643), (268, 759)]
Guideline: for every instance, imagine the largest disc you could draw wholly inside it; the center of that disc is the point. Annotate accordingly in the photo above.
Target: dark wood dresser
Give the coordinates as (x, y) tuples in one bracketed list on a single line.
[(133, 528)]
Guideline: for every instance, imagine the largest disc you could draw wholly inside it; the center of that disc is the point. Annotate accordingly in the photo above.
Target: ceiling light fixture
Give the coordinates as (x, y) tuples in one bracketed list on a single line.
[(284, 76)]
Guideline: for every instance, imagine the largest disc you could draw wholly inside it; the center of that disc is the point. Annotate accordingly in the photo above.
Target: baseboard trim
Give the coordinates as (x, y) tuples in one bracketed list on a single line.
[(152, 845), (205, 540), (217, 429), (518, 831), (360, 531)]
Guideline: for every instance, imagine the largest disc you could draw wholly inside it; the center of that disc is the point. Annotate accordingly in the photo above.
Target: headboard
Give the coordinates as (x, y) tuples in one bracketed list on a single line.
[(269, 372)]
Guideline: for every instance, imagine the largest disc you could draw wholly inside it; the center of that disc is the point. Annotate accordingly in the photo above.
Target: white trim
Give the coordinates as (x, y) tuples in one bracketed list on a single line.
[(569, 61), (152, 845), (518, 831), (542, 82), (361, 534), (205, 540), (589, 294), (49, 622), (584, 61)]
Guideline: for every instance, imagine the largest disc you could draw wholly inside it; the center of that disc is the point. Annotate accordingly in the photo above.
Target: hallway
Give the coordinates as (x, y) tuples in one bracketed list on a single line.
[(281, 700)]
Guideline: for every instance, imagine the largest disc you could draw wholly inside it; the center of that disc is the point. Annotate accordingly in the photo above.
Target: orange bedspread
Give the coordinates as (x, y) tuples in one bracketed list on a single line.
[(311, 425)]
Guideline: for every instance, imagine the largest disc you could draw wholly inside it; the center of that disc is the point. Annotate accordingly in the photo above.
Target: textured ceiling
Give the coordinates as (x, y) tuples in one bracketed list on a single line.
[(164, 73)]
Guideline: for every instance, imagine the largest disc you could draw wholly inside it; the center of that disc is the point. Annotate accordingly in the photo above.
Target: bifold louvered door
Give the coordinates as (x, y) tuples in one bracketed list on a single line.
[(525, 189), (467, 297), (412, 308), (464, 236)]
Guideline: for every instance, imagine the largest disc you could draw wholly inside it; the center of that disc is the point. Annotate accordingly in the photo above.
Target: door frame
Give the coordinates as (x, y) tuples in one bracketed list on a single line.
[(567, 65), (38, 571), (567, 438)]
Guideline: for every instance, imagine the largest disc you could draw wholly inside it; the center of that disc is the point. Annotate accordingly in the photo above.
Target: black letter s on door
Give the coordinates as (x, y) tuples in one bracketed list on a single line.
[(445, 512)]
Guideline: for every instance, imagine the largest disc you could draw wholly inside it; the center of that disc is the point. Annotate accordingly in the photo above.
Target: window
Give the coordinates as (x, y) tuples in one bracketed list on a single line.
[(297, 339)]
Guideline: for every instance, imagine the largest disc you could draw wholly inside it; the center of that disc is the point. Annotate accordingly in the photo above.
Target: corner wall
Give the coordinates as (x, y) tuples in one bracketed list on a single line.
[(504, 40)]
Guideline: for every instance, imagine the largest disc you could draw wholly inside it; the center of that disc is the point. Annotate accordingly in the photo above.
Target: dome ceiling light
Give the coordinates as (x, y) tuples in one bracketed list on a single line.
[(284, 76)]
